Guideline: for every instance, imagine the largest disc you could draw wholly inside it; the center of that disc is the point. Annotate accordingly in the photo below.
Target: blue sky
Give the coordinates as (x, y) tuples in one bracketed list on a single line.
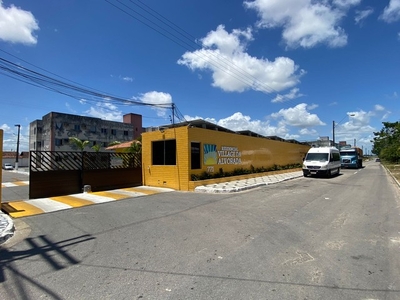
[(290, 68)]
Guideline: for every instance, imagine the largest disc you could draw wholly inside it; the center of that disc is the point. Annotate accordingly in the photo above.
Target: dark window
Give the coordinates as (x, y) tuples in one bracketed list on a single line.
[(195, 156), (104, 130), (126, 133), (164, 152), (113, 131), (58, 142), (77, 127), (93, 129)]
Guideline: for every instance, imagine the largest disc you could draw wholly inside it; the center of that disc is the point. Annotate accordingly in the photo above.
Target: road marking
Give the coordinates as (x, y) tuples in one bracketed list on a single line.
[(72, 201), (21, 209), (17, 209), (48, 205), (113, 195), (15, 183), (146, 190)]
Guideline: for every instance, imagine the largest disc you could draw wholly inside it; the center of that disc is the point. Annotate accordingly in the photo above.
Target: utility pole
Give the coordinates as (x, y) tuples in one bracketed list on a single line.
[(17, 154), (333, 133)]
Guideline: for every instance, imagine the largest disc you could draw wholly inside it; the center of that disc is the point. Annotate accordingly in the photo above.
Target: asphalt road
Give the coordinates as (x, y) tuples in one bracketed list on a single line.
[(15, 193), (308, 238)]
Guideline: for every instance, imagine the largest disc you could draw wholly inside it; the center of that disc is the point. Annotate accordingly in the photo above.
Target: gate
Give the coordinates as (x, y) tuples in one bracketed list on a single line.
[(56, 173)]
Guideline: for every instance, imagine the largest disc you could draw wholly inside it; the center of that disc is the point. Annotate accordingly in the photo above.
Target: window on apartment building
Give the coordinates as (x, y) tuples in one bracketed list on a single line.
[(37, 146), (37, 130), (104, 130), (126, 132), (195, 162), (58, 142), (77, 127), (92, 129), (164, 152), (113, 132)]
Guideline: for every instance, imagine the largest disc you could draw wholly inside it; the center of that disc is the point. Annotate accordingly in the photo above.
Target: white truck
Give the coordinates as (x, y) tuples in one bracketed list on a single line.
[(322, 161)]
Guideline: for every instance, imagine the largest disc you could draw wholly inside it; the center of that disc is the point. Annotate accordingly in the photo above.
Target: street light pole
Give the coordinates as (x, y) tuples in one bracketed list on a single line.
[(17, 154), (333, 133), (334, 125)]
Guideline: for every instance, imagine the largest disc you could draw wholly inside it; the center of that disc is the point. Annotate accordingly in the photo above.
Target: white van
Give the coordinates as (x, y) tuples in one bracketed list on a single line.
[(322, 161)]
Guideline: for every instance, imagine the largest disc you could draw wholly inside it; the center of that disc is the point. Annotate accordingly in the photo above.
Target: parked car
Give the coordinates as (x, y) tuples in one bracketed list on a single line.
[(377, 160), (8, 166)]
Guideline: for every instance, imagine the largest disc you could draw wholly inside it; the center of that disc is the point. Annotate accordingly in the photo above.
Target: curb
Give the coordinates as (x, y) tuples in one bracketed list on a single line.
[(394, 178), (237, 187), (7, 227)]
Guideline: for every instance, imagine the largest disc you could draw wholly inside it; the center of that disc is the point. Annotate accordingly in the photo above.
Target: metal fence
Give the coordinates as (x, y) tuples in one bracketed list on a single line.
[(54, 173)]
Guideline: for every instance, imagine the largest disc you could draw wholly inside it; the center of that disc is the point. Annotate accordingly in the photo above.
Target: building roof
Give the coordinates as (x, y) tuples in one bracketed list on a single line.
[(200, 123), (122, 145), (12, 154)]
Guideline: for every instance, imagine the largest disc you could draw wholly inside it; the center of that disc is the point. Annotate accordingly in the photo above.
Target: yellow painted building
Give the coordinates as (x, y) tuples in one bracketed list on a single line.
[(171, 155)]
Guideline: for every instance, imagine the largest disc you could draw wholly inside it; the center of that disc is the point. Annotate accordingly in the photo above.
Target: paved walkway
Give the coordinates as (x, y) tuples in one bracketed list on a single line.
[(245, 184)]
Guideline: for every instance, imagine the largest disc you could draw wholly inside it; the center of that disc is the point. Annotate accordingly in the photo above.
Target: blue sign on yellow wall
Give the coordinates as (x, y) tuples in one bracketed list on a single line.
[(210, 154)]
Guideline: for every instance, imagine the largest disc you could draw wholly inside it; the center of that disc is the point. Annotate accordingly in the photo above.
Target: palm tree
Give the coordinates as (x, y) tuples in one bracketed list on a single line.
[(96, 147), (81, 145)]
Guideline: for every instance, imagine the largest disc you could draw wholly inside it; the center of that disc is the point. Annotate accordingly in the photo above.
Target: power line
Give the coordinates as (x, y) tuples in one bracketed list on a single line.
[(184, 39), (70, 89)]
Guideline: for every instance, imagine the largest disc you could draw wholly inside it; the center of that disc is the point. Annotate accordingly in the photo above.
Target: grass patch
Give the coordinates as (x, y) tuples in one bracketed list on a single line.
[(394, 169)]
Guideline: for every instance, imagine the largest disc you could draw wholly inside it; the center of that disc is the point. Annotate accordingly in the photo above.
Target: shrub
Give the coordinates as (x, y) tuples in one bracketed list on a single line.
[(241, 171)]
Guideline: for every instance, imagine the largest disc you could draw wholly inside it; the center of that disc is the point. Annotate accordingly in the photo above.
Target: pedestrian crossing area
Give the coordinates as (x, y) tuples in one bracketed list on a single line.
[(18, 209)]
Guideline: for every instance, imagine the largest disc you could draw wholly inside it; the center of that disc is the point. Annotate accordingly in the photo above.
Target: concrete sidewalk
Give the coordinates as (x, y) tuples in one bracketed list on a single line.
[(6, 227), (245, 184)]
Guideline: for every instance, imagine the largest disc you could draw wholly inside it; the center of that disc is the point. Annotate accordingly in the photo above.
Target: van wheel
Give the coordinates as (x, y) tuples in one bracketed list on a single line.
[(329, 173)]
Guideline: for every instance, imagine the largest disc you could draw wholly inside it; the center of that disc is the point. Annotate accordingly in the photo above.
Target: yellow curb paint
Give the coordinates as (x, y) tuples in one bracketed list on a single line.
[(143, 191), (23, 209), (72, 201), (115, 196), (20, 183)]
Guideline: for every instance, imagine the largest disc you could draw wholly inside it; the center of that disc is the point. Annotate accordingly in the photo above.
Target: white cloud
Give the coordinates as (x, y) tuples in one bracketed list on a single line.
[(5, 127), (70, 108), (379, 107), (126, 78), (233, 70), (17, 25), (307, 131), (361, 15), (293, 94), (298, 116), (391, 13), (157, 100), (346, 3), (305, 23), (105, 111)]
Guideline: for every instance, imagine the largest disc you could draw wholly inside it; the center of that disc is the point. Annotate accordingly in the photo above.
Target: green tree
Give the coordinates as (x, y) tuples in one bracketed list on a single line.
[(96, 147), (81, 145), (386, 143)]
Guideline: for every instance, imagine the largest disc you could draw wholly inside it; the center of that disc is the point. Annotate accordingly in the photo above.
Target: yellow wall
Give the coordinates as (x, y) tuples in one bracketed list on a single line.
[(238, 151), (1, 161), (175, 177)]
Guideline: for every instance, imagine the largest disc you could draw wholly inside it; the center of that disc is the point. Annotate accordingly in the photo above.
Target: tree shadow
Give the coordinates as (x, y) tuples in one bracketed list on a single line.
[(40, 246)]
